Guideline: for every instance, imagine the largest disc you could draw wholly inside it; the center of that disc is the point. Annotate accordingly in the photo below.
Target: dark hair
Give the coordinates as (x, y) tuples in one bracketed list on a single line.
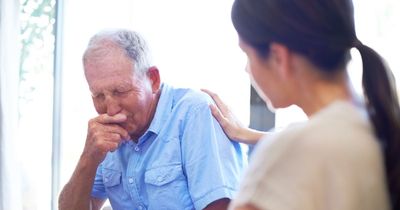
[(324, 32)]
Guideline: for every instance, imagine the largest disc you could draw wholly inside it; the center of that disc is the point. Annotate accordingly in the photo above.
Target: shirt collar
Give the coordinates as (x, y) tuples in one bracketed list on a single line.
[(164, 108)]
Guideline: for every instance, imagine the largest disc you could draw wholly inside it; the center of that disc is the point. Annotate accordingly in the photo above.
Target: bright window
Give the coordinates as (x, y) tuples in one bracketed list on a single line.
[(36, 103)]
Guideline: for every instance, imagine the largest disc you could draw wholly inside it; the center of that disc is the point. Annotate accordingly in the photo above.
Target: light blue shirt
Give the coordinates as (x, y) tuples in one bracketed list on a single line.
[(183, 161)]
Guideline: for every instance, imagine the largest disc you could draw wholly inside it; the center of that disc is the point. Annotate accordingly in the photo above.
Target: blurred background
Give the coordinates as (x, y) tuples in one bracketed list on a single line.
[(45, 103)]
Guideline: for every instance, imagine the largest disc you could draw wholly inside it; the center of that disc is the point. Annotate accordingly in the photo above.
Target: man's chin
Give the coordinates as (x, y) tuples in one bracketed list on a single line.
[(133, 134)]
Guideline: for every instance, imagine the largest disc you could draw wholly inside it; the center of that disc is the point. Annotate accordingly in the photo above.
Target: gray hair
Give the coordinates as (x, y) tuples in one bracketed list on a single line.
[(131, 42)]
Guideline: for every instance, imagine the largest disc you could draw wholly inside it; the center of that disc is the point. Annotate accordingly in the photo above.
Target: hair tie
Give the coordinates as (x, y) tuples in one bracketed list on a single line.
[(357, 43)]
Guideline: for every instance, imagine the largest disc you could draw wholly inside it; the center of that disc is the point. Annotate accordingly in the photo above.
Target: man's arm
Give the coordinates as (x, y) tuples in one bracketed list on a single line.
[(76, 193), (224, 203), (96, 203), (246, 207), (104, 135), (212, 163), (221, 204)]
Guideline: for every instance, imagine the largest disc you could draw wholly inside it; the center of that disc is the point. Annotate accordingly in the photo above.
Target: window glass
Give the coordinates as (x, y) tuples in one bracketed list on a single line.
[(36, 102)]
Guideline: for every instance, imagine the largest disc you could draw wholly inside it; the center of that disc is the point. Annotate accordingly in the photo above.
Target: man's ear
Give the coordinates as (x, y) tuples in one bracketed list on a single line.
[(281, 56), (154, 76)]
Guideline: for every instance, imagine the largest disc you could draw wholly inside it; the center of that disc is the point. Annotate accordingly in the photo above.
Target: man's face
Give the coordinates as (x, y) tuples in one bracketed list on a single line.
[(117, 89)]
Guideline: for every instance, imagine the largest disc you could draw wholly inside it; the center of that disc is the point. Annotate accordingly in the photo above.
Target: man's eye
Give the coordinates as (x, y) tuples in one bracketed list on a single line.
[(120, 92)]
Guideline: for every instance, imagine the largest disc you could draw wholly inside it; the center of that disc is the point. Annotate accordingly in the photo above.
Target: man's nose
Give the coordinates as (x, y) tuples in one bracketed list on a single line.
[(113, 105)]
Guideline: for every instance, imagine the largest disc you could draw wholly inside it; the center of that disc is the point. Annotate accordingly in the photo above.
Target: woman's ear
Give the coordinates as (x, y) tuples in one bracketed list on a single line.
[(281, 57), (154, 76)]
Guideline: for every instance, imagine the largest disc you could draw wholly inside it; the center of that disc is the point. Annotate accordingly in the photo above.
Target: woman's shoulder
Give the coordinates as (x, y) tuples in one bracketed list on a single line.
[(339, 128)]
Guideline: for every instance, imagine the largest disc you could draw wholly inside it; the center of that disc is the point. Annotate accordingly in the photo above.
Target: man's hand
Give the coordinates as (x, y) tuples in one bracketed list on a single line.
[(104, 135)]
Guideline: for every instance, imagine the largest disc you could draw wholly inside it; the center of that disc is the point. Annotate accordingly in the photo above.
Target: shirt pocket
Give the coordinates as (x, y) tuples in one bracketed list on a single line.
[(113, 184), (111, 177), (117, 194), (163, 175), (166, 188)]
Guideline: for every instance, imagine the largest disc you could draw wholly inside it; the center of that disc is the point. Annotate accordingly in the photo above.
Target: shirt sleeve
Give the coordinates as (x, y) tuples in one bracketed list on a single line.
[(98, 189), (212, 163)]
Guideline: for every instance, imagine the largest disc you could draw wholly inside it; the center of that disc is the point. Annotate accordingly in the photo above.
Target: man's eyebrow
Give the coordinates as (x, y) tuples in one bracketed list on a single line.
[(123, 85), (120, 85)]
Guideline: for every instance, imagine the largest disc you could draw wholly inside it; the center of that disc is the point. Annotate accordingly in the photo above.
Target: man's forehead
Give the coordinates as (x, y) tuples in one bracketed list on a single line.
[(108, 67), (111, 59), (110, 84)]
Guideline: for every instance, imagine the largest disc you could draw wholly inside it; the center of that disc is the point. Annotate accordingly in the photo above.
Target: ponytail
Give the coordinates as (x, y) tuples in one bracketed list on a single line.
[(384, 112)]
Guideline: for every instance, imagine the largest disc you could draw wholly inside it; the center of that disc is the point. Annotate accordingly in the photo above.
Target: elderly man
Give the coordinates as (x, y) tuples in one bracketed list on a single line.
[(152, 146)]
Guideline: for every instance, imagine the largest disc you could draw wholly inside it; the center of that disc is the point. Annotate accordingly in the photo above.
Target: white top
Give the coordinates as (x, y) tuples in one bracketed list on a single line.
[(331, 162)]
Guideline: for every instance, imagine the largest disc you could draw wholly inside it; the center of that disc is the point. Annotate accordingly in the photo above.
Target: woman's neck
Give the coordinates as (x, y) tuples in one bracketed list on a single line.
[(318, 93)]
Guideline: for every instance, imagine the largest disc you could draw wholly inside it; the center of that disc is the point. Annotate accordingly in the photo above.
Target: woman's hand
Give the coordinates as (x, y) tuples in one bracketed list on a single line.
[(232, 127)]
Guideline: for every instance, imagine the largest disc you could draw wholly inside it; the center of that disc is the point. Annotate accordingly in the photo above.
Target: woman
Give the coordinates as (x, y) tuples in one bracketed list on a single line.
[(346, 155)]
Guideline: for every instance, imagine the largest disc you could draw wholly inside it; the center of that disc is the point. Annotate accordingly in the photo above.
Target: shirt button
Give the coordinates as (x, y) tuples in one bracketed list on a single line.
[(130, 180), (137, 149)]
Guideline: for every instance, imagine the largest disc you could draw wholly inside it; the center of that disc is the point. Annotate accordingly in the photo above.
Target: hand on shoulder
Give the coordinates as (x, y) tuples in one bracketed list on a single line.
[(232, 127)]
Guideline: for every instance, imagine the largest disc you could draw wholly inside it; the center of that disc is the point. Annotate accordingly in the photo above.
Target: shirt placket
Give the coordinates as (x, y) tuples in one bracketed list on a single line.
[(133, 182)]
